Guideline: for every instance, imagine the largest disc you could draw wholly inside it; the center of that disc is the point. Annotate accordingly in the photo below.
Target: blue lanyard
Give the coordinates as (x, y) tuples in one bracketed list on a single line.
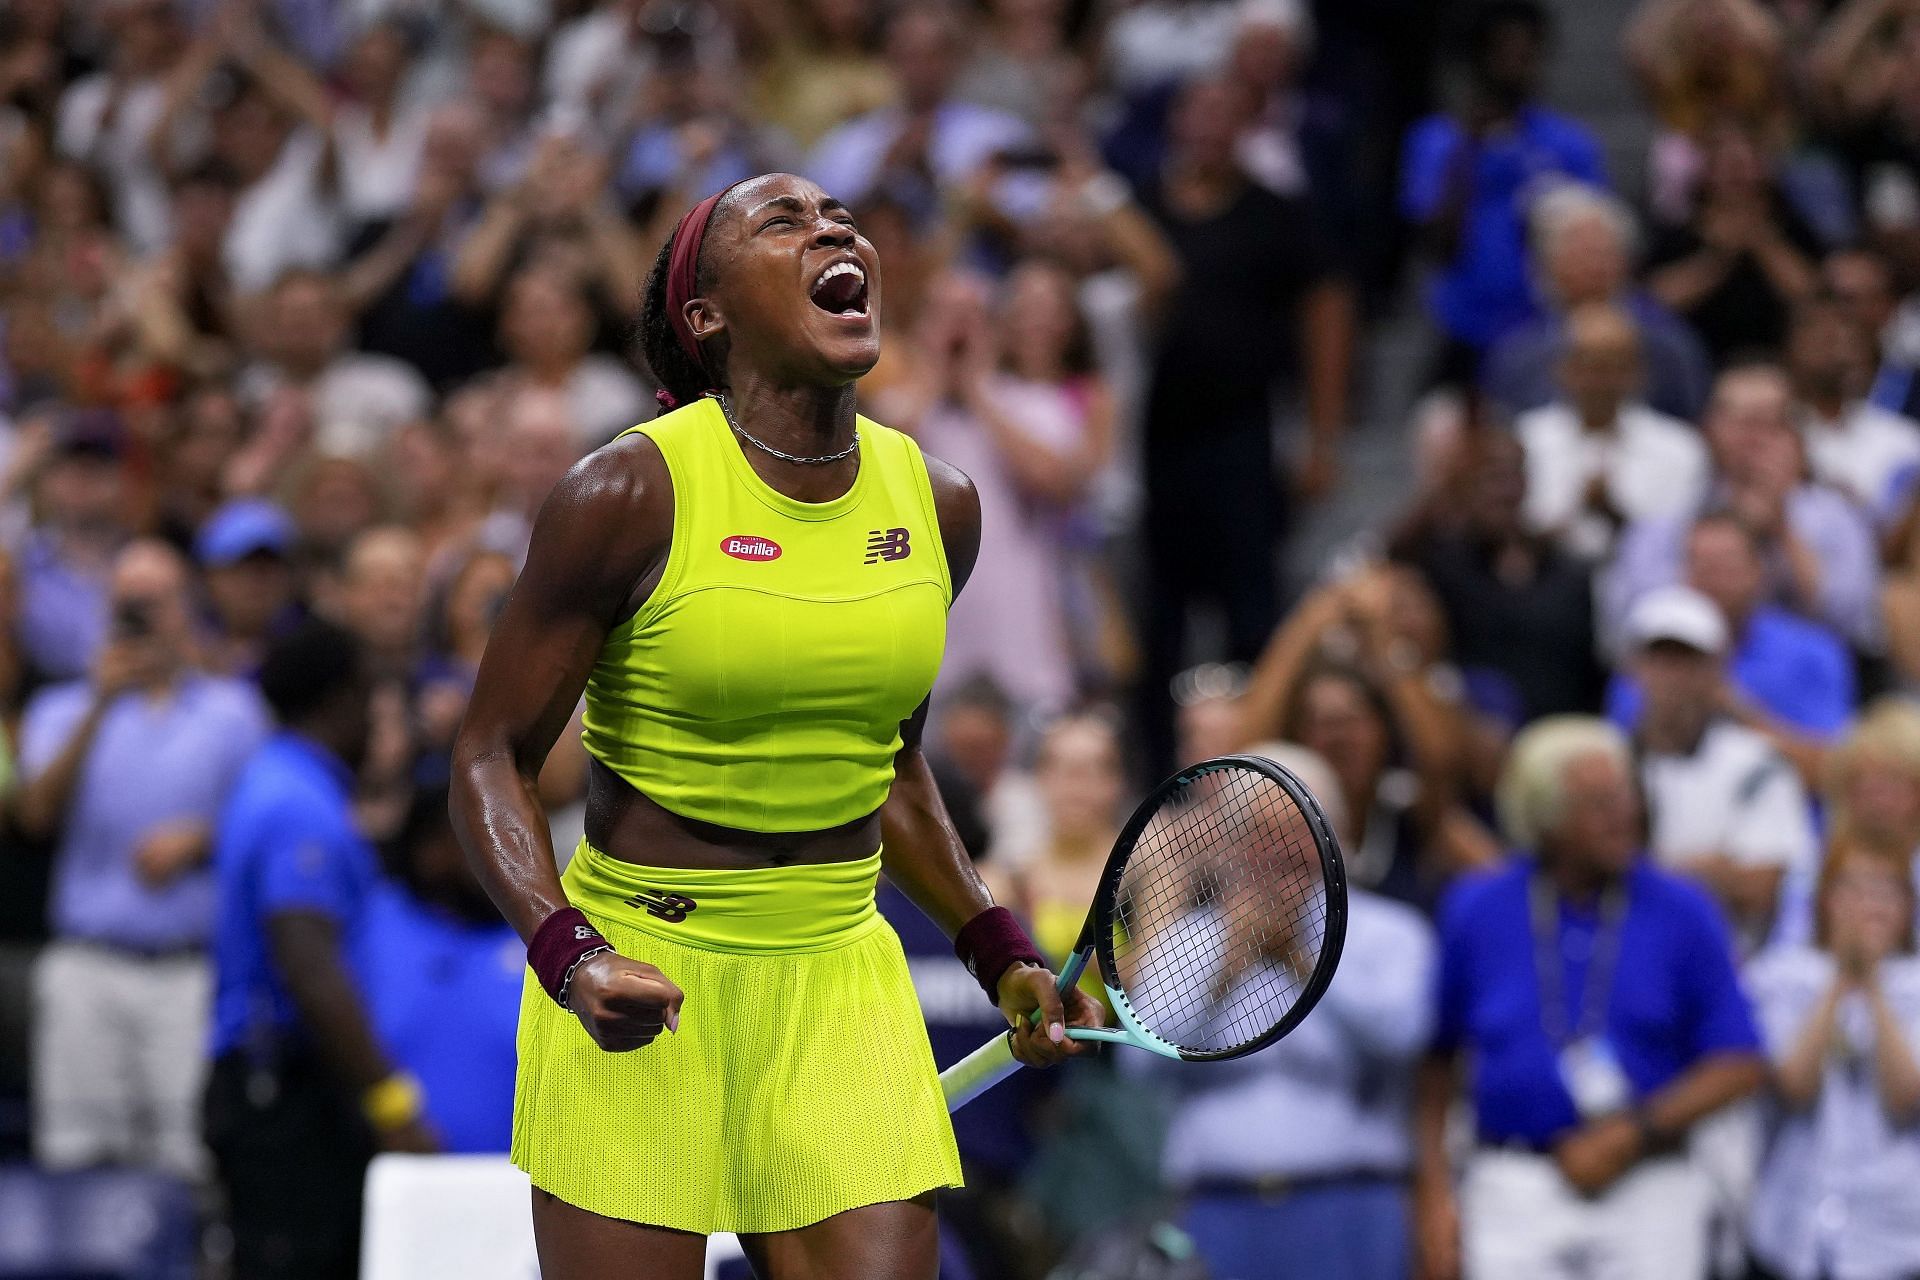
[(1563, 1026)]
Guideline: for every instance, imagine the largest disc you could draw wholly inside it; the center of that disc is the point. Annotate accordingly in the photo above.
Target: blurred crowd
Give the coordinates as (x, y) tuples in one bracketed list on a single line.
[(306, 304)]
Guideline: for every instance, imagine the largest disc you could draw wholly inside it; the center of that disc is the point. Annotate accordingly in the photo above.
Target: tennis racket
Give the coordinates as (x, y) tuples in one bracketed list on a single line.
[(1217, 924)]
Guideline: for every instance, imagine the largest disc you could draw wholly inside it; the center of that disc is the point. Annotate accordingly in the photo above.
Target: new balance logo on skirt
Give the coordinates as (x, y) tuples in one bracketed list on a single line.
[(887, 544), (671, 907)]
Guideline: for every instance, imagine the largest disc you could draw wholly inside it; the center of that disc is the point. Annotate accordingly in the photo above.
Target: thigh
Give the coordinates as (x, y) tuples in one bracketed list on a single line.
[(83, 1113), (898, 1240), (577, 1245), (1517, 1221), (1654, 1224), (170, 1061)]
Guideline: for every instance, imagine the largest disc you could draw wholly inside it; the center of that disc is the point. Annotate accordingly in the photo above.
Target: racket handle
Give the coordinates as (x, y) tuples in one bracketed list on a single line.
[(979, 1071)]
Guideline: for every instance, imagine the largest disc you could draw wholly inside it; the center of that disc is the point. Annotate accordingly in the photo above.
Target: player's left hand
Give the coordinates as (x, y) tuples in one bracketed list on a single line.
[(1043, 1042)]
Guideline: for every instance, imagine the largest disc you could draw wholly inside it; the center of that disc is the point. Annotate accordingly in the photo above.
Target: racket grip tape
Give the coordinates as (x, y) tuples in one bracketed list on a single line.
[(979, 1071)]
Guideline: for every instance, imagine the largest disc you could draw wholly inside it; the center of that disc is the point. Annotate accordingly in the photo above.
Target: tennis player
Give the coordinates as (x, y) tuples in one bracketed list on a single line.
[(718, 1031)]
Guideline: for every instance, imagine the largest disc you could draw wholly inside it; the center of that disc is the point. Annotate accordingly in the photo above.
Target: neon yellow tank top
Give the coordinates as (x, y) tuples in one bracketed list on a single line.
[(762, 684)]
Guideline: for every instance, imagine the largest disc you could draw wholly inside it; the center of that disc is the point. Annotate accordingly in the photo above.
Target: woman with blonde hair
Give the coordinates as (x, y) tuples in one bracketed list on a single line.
[(1873, 780), (1841, 1020)]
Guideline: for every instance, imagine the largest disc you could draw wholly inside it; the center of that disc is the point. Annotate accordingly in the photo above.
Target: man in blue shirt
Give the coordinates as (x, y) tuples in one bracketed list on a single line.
[(302, 1090), (1788, 677), (1597, 999), (447, 1002), (125, 772), (1470, 180)]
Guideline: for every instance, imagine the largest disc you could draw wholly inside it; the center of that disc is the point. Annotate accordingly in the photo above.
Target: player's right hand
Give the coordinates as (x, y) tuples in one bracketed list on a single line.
[(623, 1003)]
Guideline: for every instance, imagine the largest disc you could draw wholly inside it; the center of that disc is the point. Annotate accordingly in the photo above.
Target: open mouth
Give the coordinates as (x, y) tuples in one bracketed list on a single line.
[(841, 290)]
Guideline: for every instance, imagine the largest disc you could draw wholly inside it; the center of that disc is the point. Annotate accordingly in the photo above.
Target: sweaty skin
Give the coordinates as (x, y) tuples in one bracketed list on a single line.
[(598, 548)]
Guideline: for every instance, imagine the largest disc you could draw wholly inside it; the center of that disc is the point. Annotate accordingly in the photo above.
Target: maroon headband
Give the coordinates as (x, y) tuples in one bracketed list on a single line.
[(683, 266)]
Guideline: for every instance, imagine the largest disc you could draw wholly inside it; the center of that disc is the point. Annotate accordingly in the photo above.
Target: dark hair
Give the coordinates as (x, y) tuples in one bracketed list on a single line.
[(427, 815), (684, 379), (310, 665), (1326, 670)]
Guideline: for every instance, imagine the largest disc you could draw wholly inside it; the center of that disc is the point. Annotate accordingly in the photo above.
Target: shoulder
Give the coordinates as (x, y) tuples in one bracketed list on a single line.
[(1483, 896), (1674, 898), (1387, 925), (58, 702), (226, 696), (1549, 126), (612, 511), (1664, 432), (1782, 631), (1550, 424), (1436, 131), (956, 503), (1781, 971)]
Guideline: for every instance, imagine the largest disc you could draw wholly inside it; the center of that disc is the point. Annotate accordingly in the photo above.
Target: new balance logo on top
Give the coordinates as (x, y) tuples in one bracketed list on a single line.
[(581, 932), (671, 907), (887, 544)]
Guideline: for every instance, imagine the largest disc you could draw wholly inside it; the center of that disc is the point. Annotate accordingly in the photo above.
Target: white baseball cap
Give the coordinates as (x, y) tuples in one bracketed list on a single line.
[(1680, 615)]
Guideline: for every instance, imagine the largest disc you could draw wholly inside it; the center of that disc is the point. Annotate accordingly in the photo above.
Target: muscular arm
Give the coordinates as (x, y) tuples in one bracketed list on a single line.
[(601, 532), (923, 853)]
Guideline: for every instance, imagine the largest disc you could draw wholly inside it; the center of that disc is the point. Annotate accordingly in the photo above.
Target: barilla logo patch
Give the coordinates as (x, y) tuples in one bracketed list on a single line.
[(746, 547)]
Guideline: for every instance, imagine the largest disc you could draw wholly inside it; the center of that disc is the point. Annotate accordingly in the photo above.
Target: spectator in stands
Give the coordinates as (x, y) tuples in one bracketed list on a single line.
[(447, 999), (929, 139), (1839, 1189), (1787, 677), (1597, 456), (1596, 997), (379, 132), (64, 561), (184, 314), (1862, 71), (1866, 452), (1081, 777), (1700, 62), (106, 117), (1356, 676), (1873, 782), (1584, 242), (272, 128), (354, 399), (813, 66), (1258, 296), (302, 1091), (126, 772), (976, 734), (1308, 1142), (1519, 610), (1743, 259), (1031, 460), (383, 598), (1468, 181), (1271, 40), (245, 554), (1816, 547), (547, 329), (1723, 805), (1862, 281)]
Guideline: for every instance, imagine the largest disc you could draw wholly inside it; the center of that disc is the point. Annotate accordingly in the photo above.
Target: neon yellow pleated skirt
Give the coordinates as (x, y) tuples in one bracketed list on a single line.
[(800, 1083)]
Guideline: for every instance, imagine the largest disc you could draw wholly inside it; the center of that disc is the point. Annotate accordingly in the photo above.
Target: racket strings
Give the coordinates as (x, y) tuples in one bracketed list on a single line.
[(1221, 913)]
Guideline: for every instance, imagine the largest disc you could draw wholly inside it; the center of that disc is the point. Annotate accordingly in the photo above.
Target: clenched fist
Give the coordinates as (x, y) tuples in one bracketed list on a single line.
[(623, 1003)]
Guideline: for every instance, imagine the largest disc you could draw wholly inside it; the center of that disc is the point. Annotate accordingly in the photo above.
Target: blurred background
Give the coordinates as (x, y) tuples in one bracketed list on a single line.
[(1358, 381)]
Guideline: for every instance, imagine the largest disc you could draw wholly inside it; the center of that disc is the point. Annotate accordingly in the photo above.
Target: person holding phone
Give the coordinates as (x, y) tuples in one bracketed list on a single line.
[(125, 772)]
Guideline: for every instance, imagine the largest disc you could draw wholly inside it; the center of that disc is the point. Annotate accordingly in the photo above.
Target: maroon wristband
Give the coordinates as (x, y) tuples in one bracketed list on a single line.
[(558, 944), (990, 944)]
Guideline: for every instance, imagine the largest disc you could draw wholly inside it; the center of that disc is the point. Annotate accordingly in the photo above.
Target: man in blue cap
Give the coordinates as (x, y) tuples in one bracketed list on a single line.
[(245, 551)]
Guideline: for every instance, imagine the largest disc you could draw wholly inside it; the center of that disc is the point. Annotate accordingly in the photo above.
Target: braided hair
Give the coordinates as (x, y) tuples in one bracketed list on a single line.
[(683, 378)]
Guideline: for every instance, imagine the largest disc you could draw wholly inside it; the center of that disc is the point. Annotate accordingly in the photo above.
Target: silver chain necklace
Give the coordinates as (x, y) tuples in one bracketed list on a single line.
[(820, 460)]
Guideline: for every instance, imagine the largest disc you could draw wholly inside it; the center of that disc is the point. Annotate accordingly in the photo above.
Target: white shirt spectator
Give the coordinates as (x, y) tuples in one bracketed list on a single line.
[(1156, 44), (595, 67), (1334, 1096), (605, 399), (283, 220), (1864, 453), (118, 149), (377, 175), (1652, 465), (1839, 1189), (358, 400), (1735, 795), (847, 161)]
